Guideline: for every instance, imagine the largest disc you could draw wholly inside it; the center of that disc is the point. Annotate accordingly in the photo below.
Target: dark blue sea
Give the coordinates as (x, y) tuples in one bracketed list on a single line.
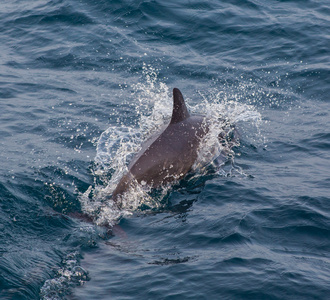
[(84, 82)]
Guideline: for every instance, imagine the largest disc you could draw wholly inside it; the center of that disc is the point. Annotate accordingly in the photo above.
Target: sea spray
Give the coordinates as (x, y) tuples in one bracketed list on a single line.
[(118, 144)]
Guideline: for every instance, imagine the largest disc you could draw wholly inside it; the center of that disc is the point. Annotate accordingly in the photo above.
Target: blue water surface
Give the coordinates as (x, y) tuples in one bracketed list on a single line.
[(259, 229)]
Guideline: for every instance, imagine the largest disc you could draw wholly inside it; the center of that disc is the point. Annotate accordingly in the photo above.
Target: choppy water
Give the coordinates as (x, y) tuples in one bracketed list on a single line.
[(76, 77)]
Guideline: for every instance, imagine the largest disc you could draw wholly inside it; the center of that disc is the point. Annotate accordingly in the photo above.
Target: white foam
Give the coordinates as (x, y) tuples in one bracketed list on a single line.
[(69, 275)]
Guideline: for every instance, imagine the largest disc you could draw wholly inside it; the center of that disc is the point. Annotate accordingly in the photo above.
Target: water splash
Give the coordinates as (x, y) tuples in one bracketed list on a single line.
[(118, 144)]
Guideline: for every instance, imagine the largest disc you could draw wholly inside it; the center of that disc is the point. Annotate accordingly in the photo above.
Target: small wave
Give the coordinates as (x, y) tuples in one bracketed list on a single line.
[(117, 145)]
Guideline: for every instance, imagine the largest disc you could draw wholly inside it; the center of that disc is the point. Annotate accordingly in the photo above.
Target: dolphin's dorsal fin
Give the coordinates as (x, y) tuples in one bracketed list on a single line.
[(180, 111)]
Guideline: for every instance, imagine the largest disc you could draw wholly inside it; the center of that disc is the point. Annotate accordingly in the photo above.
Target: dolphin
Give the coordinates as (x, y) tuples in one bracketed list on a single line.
[(169, 155)]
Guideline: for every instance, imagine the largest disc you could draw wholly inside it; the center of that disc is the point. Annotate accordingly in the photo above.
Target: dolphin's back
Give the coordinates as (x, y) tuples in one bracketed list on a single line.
[(171, 154)]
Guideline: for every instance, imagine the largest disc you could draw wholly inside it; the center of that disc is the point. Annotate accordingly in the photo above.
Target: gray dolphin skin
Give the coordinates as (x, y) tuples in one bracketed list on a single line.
[(170, 154)]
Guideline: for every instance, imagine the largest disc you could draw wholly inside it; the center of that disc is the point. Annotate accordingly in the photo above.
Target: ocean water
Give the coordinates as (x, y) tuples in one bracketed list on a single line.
[(84, 82)]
